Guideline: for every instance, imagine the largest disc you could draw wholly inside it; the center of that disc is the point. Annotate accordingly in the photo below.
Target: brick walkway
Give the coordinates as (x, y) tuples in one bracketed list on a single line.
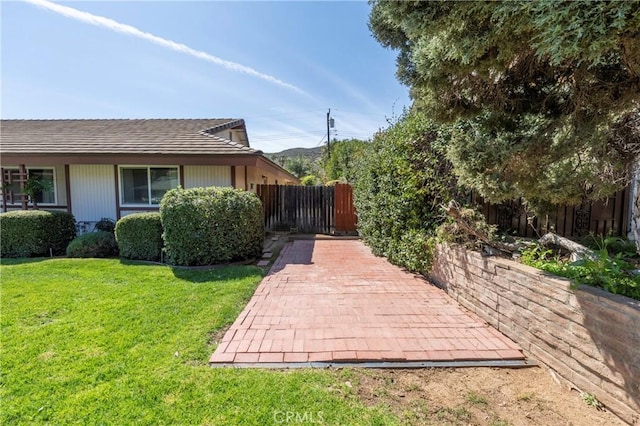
[(333, 301)]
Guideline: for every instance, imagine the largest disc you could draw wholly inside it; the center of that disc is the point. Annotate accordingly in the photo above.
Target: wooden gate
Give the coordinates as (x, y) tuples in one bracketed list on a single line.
[(308, 209), (345, 212)]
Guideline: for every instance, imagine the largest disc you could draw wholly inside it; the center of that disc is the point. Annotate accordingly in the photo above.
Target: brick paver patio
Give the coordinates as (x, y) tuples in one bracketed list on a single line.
[(333, 301)]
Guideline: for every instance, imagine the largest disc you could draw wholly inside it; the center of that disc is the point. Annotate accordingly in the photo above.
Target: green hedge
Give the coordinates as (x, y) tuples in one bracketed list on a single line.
[(403, 179), (204, 226), (27, 233), (93, 244), (139, 236)]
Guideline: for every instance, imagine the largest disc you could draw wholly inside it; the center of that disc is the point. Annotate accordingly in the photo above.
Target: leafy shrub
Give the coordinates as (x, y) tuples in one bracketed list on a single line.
[(613, 244), (139, 236), (340, 165), (414, 250), (28, 233), (93, 244), (608, 272), (310, 180), (451, 232), (106, 224), (403, 180), (204, 226)]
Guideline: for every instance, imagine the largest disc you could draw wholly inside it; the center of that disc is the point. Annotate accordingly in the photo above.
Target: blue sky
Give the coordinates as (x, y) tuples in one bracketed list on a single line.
[(299, 59)]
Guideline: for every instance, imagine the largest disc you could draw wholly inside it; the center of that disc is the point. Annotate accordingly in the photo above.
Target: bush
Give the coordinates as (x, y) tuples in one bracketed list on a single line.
[(139, 236), (93, 244), (451, 232), (106, 224), (403, 180), (310, 180), (204, 226), (27, 233), (413, 250), (610, 273)]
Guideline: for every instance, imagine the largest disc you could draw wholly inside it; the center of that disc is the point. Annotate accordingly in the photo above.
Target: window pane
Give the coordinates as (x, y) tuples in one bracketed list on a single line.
[(162, 180), (14, 186), (135, 186), (48, 195)]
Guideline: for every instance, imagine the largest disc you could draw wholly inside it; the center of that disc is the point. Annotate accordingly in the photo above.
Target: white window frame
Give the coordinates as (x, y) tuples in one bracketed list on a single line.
[(132, 166), (55, 183)]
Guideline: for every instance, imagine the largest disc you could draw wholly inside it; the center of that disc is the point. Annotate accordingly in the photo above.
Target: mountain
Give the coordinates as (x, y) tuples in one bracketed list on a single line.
[(310, 153)]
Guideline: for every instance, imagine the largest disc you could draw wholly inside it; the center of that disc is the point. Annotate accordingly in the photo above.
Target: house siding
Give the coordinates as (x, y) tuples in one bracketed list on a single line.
[(61, 186), (240, 174), (204, 176), (93, 191)]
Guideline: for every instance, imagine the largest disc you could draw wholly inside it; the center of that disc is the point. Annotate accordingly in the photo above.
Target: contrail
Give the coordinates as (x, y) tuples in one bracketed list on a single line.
[(100, 21)]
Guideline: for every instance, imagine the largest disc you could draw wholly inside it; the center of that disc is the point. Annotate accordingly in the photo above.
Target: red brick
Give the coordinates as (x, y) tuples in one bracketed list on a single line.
[(271, 357), (246, 357), (265, 346), (345, 356), (393, 356), (440, 355), (509, 354), (362, 307), (222, 357), (462, 355), (369, 355), (320, 356), (296, 357)]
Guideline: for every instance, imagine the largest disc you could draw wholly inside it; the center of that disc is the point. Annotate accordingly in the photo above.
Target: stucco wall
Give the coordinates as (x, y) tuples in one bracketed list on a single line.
[(204, 176), (589, 337), (240, 181)]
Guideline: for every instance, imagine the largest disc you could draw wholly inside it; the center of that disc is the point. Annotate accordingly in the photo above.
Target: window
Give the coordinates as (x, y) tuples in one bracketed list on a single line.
[(146, 185), (47, 195), (45, 175)]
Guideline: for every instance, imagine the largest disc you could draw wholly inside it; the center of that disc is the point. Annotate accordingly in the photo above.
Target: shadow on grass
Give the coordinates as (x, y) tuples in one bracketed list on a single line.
[(8, 261), (202, 274), (216, 273)]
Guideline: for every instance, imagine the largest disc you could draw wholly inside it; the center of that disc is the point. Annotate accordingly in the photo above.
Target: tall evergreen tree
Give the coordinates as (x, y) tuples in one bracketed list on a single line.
[(545, 95)]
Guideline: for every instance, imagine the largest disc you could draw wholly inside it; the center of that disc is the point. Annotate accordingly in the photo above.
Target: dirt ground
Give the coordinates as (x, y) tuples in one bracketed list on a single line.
[(478, 396)]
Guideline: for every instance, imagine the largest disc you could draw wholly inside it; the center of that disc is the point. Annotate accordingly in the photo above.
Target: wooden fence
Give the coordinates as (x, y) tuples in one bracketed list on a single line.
[(605, 217), (308, 209), (330, 210)]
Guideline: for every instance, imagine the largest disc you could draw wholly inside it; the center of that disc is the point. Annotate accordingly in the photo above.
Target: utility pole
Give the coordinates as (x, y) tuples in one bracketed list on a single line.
[(330, 124), (328, 135)]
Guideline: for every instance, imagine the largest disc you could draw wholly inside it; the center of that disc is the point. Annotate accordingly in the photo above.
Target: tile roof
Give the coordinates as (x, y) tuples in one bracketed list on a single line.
[(136, 136)]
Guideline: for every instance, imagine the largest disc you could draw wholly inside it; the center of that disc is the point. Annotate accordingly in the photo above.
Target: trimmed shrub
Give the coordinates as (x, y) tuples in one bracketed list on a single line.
[(93, 244), (139, 236), (205, 226), (106, 224), (403, 179), (28, 233)]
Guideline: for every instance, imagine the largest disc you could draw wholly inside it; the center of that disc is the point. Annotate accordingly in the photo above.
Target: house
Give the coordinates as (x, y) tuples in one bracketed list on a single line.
[(110, 168)]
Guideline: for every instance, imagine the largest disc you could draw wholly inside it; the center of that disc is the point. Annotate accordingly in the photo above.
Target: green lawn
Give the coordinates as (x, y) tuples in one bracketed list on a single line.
[(104, 342)]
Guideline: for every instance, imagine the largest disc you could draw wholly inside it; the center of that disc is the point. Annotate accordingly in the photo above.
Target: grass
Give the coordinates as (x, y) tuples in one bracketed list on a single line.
[(105, 342), (591, 400), (526, 397), (476, 398), (458, 415)]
